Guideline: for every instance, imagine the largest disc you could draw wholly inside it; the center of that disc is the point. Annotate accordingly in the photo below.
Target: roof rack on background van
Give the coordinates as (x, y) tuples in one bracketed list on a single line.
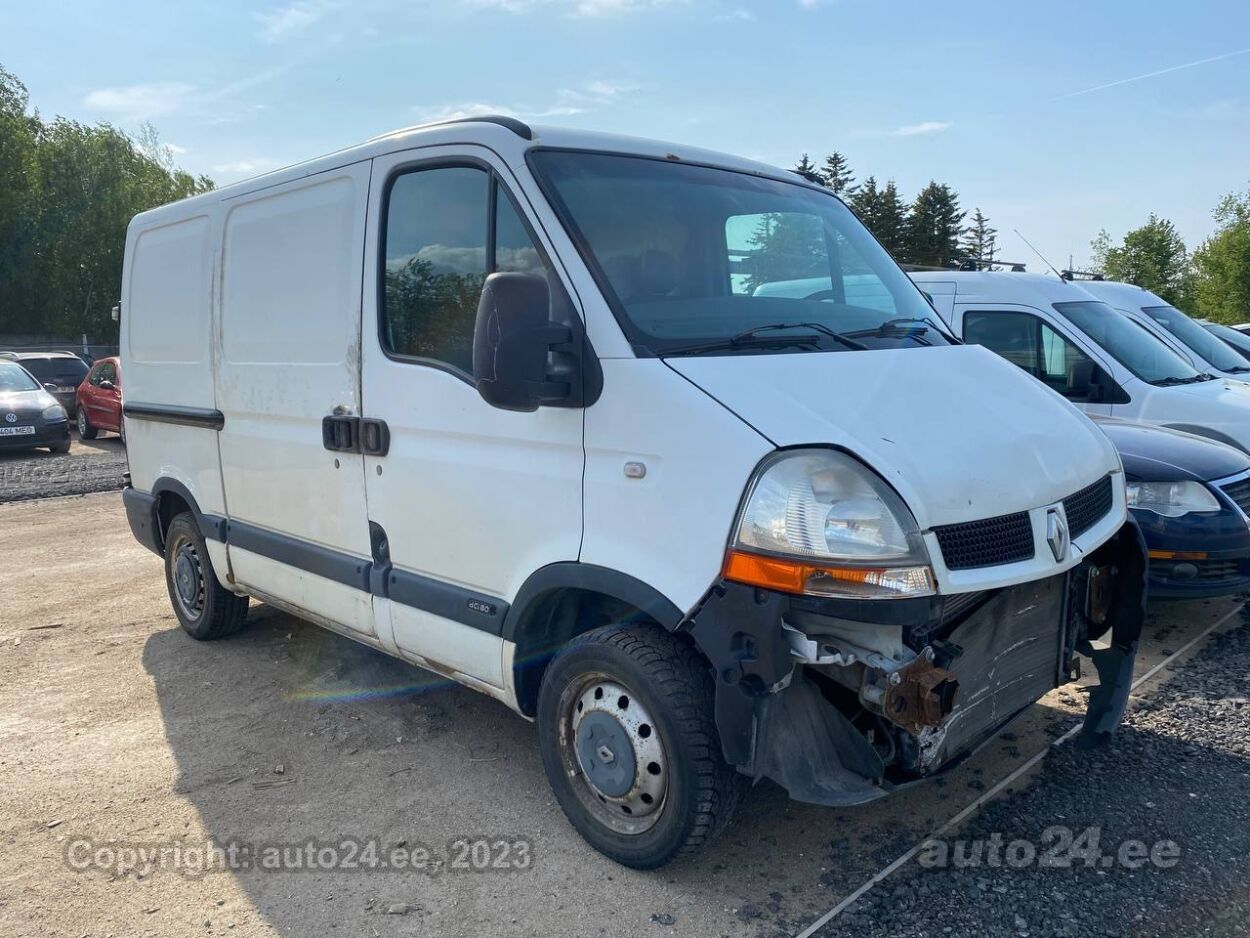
[(1083, 275), (967, 265), (518, 127)]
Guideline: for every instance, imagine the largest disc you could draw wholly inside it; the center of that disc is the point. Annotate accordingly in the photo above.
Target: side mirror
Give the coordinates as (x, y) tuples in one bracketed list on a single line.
[(513, 339), (107, 385), (49, 386)]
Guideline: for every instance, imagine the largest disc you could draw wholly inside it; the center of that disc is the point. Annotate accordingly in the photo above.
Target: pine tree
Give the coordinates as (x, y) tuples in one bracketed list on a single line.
[(883, 213), (806, 167), (933, 227), (980, 241), (836, 174)]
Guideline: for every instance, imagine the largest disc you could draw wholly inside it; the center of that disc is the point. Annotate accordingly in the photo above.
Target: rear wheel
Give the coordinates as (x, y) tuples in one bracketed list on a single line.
[(85, 430), (629, 743), (205, 608), (59, 447)]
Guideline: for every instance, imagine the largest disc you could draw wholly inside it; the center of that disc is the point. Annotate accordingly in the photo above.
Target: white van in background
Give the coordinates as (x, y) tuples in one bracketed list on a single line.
[(508, 403), (1204, 351), (1094, 356)]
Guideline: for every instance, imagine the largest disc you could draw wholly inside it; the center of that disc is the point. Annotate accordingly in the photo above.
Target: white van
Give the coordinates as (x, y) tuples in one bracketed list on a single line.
[(1204, 351), (500, 401), (1092, 355)]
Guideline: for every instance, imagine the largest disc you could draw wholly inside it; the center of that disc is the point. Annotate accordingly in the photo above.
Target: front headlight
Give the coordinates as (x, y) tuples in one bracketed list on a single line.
[(1171, 499), (820, 522), (55, 412)]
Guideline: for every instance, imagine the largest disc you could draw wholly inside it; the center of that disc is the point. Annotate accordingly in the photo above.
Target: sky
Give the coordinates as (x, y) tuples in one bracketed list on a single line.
[(1057, 118)]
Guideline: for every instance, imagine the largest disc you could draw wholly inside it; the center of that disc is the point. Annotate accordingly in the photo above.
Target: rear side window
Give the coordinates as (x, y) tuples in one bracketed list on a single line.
[(59, 371), (447, 228)]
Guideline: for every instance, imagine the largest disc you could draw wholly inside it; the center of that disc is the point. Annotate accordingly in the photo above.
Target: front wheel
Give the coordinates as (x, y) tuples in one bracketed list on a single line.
[(85, 430), (205, 608), (629, 744)]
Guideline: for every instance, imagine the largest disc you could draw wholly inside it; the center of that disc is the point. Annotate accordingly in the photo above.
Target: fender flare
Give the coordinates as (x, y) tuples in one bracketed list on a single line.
[(212, 527), (592, 578)]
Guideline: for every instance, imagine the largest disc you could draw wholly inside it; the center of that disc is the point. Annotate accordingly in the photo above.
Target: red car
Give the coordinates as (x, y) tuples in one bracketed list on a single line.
[(100, 400)]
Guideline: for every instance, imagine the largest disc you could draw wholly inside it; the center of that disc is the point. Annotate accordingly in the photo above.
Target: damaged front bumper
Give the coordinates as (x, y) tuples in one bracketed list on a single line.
[(842, 701)]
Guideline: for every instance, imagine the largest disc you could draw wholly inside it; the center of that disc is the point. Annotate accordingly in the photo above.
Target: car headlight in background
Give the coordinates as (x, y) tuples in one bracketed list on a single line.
[(820, 522), (1171, 499), (55, 412)]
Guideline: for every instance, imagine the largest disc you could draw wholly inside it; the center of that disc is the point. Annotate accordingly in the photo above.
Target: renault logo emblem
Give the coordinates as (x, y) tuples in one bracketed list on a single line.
[(1057, 534)]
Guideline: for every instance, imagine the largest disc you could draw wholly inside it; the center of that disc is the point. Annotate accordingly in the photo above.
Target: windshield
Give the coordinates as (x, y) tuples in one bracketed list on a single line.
[(1143, 354), (14, 378), (60, 371), (1195, 337), (696, 260), (1238, 340)]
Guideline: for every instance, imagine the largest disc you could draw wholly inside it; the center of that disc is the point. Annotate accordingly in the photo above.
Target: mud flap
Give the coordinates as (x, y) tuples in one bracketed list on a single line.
[(1109, 699), (809, 748)]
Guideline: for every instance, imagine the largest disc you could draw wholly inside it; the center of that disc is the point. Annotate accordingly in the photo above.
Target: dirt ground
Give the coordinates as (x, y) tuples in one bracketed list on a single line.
[(117, 727)]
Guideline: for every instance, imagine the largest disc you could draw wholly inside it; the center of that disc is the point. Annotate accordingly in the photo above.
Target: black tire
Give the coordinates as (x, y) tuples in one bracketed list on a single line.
[(85, 430), (205, 608), (59, 448), (664, 675)]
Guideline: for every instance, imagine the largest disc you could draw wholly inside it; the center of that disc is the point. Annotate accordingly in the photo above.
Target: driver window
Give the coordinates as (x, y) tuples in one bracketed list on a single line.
[(1032, 344)]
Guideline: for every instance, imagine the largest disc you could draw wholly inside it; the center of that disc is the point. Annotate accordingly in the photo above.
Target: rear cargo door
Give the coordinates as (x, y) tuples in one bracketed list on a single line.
[(288, 386)]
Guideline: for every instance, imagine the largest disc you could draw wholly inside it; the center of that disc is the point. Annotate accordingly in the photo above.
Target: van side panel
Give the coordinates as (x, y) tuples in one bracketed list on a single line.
[(289, 357), (167, 354)]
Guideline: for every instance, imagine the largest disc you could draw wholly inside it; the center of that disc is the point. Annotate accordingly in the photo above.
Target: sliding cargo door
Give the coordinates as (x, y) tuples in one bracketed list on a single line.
[(289, 357)]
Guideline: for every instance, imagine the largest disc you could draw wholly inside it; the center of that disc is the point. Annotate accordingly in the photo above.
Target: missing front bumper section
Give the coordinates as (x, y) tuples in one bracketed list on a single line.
[(835, 701)]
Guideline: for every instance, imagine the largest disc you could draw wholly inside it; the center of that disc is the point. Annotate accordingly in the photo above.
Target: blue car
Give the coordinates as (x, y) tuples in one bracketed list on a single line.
[(1191, 497)]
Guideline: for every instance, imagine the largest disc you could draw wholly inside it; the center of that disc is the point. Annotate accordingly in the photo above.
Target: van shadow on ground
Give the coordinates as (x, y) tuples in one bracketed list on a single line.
[(373, 749)]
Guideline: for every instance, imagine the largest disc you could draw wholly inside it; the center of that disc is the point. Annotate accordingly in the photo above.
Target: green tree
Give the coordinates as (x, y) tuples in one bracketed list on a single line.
[(980, 241), (836, 174), (1152, 256), (786, 246), (67, 193), (883, 213), (1222, 263), (934, 226), (806, 167)]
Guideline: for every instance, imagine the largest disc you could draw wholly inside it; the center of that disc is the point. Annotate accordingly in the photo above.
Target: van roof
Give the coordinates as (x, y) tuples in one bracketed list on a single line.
[(993, 286), (505, 135), (1123, 295)]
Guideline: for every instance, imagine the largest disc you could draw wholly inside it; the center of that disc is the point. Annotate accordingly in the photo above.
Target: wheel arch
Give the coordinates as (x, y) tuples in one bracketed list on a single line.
[(172, 497), (563, 600)]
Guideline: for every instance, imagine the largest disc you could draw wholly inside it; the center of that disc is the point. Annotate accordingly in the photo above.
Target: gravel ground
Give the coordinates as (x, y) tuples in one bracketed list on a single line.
[(89, 466), (1179, 773)]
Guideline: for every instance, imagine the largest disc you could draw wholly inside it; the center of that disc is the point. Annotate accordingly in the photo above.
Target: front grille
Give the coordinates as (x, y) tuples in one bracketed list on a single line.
[(1088, 506), (988, 543), (1239, 492), (1209, 571)]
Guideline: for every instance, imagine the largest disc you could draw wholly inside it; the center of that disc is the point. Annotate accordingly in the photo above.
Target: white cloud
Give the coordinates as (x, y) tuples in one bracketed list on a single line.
[(286, 21), (926, 127), (813, 4), (566, 102), (140, 102), (739, 15), (240, 169), (576, 7)]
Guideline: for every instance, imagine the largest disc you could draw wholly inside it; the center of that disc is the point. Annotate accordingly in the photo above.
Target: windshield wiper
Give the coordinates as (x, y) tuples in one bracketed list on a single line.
[(894, 326), (755, 338), (1173, 380)]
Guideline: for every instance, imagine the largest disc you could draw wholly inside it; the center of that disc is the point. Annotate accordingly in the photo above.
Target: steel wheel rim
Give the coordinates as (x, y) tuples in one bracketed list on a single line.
[(593, 751), (82, 422), (186, 572)]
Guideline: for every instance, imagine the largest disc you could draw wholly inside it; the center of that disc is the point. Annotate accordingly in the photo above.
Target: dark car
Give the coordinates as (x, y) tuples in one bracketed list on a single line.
[(100, 400), (1190, 496), (29, 415), (60, 373)]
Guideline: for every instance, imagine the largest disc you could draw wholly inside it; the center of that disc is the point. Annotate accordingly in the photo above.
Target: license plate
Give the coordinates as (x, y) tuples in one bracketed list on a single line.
[(17, 431)]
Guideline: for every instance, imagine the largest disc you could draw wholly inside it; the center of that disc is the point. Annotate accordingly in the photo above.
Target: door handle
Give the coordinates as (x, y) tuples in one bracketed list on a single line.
[(345, 433)]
